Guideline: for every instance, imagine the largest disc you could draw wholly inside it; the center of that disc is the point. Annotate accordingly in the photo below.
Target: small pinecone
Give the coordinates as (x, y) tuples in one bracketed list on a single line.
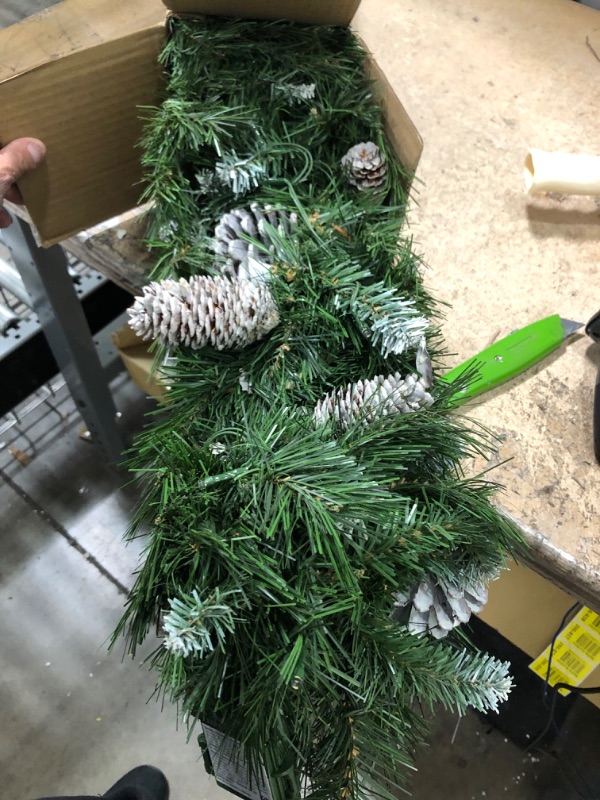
[(204, 311), (365, 166), (369, 400), (244, 259), (437, 606)]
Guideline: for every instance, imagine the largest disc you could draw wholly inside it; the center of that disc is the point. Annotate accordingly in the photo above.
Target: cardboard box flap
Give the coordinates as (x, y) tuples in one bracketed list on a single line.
[(77, 76), (85, 108), (316, 12), (74, 76), (138, 361), (69, 27), (401, 131)]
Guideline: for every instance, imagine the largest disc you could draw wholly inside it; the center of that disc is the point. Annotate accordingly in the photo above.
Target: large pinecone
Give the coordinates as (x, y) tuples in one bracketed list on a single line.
[(204, 311), (245, 259), (366, 401), (365, 166), (436, 607)]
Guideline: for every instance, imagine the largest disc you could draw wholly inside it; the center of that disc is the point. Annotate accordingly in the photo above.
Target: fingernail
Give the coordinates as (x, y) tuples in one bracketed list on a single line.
[(37, 151)]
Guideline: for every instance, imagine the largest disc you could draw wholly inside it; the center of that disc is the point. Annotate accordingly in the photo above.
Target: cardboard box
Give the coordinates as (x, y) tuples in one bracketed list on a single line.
[(77, 75), (527, 610), (138, 361), (74, 77), (332, 12)]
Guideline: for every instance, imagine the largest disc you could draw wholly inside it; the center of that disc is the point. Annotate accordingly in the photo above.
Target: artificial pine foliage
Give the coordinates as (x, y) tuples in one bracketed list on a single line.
[(280, 540)]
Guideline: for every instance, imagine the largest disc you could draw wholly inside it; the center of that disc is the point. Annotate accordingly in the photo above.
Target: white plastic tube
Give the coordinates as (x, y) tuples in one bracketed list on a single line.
[(566, 173)]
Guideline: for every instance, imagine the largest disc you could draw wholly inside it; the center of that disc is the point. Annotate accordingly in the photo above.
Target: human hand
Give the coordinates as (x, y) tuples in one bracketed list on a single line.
[(16, 159)]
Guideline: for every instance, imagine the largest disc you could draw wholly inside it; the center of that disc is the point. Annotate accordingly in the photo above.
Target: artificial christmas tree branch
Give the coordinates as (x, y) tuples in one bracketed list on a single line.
[(302, 482)]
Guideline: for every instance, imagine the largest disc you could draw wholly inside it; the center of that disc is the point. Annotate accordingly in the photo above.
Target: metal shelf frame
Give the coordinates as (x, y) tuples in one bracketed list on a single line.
[(45, 273)]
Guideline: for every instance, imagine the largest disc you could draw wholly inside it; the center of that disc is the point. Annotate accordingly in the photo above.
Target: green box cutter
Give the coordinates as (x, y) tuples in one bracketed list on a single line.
[(510, 356)]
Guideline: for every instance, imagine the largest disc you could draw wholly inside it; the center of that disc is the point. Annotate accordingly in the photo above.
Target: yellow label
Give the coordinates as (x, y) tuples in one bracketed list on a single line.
[(583, 640), (590, 618), (567, 659), (540, 667), (576, 652)]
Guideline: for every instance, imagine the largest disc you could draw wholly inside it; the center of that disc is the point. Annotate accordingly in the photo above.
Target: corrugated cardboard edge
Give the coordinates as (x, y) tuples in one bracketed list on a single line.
[(400, 129), (312, 12), (138, 361), (69, 27), (92, 171)]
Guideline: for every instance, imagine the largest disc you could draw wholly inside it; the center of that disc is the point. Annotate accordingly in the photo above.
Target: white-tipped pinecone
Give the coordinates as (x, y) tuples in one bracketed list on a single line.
[(436, 607), (245, 259), (366, 401), (365, 166), (204, 311)]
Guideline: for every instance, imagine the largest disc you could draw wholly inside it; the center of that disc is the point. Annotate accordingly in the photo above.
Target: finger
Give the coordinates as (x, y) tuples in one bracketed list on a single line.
[(13, 195), (19, 157)]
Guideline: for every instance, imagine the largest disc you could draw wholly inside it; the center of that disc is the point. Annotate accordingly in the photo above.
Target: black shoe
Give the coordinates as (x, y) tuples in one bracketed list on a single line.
[(142, 783)]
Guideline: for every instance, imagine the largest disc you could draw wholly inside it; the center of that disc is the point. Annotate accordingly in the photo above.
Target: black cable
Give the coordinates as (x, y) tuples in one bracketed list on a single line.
[(555, 636), (565, 754), (557, 686), (552, 643), (550, 723)]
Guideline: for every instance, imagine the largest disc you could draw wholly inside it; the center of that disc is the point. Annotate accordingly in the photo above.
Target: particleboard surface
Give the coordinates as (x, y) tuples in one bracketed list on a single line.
[(484, 81)]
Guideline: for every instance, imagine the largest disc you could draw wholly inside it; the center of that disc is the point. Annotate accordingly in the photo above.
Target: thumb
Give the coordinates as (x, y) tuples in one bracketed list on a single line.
[(19, 157)]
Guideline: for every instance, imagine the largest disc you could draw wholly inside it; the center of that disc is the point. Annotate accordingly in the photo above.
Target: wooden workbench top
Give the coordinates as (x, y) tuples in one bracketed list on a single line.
[(484, 80)]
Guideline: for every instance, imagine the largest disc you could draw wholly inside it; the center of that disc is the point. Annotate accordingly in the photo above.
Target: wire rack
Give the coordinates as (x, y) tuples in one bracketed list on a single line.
[(21, 311), (47, 412), (29, 427)]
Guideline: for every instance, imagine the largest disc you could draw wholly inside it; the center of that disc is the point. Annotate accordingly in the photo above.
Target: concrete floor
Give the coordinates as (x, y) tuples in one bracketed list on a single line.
[(14, 11), (75, 717)]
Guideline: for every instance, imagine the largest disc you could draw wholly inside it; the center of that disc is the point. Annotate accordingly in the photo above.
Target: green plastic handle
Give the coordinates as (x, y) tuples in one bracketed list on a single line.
[(508, 357)]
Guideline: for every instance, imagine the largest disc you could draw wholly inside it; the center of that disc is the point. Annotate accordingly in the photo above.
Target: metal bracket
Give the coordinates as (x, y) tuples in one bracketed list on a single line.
[(54, 300)]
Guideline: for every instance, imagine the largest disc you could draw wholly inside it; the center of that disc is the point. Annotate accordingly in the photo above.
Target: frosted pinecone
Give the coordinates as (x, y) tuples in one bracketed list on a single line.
[(365, 166), (436, 607), (245, 259), (204, 311), (366, 401)]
